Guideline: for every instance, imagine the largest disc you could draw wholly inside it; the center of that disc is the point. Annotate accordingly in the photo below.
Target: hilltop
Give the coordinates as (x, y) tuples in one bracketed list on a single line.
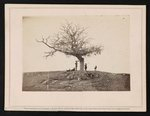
[(75, 81)]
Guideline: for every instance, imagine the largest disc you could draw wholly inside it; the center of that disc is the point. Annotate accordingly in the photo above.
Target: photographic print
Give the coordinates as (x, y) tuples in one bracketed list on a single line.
[(75, 58), (76, 53)]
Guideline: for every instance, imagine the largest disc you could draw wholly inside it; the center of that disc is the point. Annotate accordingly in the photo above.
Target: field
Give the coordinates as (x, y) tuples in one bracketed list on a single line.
[(75, 81)]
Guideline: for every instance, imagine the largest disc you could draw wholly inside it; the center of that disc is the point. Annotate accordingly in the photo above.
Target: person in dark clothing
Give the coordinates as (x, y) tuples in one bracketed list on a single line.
[(85, 66), (76, 65), (95, 68)]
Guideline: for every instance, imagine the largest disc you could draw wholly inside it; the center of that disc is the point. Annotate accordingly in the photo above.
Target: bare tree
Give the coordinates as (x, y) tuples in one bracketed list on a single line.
[(71, 40)]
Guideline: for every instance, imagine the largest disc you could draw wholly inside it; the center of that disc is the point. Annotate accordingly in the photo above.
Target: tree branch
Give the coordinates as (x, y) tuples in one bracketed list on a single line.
[(71, 40), (55, 49)]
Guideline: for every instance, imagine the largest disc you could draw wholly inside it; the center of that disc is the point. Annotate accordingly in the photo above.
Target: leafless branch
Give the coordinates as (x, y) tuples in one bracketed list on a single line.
[(71, 40)]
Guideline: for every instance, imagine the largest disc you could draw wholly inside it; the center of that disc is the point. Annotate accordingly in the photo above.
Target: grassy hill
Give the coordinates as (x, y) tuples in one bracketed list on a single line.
[(75, 81)]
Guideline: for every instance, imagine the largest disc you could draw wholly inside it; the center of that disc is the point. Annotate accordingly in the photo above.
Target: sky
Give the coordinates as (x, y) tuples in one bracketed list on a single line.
[(110, 31)]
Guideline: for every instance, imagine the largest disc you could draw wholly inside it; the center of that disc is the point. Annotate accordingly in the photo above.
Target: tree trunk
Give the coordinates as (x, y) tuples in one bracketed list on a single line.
[(81, 64)]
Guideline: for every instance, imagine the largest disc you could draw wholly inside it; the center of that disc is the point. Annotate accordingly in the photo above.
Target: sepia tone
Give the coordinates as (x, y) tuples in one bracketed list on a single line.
[(71, 39), (34, 82)]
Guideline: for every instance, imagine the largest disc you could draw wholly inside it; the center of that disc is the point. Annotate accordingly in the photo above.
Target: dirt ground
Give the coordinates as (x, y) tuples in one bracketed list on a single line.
[(75, 81)]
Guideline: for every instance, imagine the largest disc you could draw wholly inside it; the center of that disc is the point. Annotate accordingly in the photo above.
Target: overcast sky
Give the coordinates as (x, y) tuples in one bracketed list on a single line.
[(110, 31)]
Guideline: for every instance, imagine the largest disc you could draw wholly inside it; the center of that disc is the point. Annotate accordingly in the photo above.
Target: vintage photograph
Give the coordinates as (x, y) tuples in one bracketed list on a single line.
[(76, 53), (75, 58)]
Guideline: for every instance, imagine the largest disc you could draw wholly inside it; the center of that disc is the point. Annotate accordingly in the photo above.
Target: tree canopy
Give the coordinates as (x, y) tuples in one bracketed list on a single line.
[(71, 40)]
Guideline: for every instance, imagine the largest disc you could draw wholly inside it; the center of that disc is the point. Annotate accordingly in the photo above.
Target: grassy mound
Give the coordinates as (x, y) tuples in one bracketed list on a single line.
[(75, 81)]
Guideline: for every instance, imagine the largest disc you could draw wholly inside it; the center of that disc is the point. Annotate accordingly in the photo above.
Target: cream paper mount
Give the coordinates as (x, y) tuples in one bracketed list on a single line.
[(107, 73)]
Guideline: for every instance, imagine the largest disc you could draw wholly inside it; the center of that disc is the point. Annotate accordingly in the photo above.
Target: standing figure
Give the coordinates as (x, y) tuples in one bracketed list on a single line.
[(76, 65), (95, 68), (85, 66)]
